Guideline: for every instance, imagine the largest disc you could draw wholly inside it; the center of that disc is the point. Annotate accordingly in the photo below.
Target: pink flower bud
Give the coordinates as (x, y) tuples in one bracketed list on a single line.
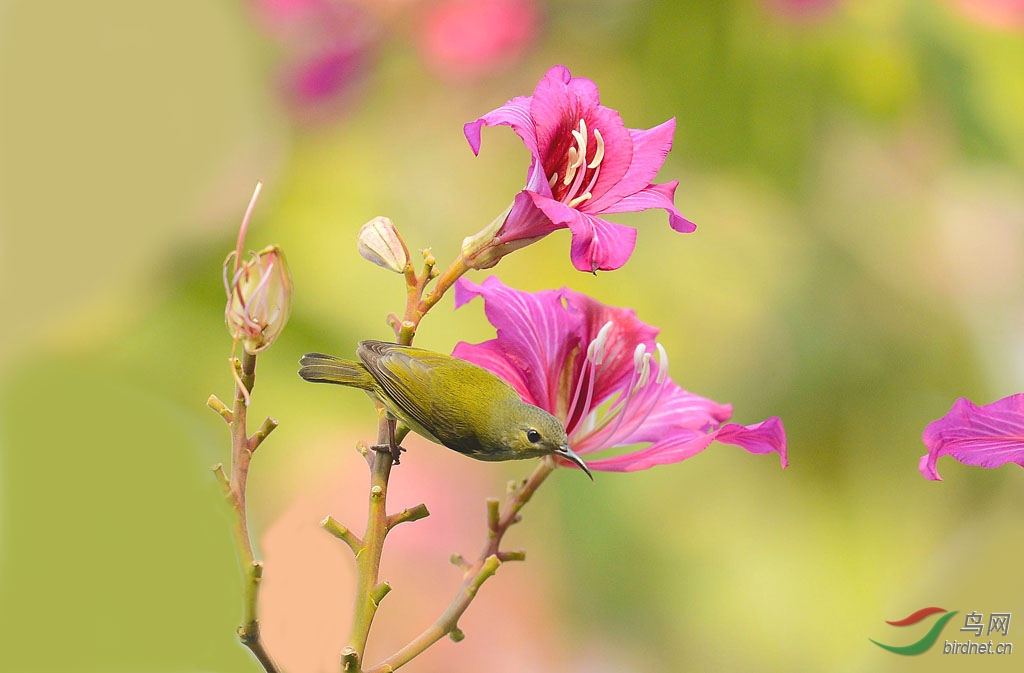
[(380, 243), (259, 297)]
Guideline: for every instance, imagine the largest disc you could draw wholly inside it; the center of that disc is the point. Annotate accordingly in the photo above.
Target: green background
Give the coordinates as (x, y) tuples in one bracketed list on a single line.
[(856, 178)]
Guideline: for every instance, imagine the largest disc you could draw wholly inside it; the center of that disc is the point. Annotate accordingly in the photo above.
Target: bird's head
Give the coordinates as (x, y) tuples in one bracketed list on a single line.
[(530, 431)]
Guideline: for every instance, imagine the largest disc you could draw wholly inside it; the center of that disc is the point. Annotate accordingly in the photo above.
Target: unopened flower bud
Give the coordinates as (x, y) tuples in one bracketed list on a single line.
[(259, 297), (380, 243)]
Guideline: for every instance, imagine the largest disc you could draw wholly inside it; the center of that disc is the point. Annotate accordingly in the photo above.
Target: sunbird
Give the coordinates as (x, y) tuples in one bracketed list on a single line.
[(449, 401)]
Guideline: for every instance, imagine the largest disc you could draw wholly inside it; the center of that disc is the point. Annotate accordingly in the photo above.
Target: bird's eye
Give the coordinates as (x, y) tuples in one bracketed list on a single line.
[(533, 436)]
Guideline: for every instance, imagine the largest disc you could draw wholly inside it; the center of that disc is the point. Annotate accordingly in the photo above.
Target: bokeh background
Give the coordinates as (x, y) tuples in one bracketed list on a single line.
[(855, 171)]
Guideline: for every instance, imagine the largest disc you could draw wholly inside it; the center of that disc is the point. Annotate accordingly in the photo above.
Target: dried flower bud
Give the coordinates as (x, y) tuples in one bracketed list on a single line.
[(380, 243), (259, 297)]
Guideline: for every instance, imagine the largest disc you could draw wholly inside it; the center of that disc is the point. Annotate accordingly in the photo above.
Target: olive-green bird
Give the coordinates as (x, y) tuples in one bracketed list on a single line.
[(447, 400)]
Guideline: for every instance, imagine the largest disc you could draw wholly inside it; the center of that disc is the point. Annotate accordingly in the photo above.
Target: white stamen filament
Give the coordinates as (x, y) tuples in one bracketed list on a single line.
[(638, 356), (617, 411), (599, 346), (581, 137), (662, 364), (624, 407), (576, 159), (579, 386), (599, 152), (579, 199), (645, 371)]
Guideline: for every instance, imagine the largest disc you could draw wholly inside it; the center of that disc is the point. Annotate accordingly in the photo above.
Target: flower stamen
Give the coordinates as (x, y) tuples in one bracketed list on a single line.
[(635, 402), (577, 167), (589, 366), (599, 152), (599, 346), (579, 199), (662, 364)]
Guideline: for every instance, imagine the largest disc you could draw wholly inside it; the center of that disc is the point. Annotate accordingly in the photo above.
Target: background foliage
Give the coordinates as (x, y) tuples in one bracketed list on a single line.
[(855, 172)]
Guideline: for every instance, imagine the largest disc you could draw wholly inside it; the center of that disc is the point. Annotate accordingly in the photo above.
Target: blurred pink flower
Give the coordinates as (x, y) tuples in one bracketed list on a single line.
[(599, 369), (988, 436), (800, 10), (326, 47), (1004, 14), (307, 591), (585, 163), (469, 38)]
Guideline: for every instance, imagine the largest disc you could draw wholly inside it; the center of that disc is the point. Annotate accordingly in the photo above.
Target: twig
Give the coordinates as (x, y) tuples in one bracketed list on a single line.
[(242, 448), (474, 575)]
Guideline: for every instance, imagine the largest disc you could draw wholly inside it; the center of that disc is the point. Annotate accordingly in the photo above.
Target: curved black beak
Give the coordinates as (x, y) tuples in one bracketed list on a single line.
[(565, 452)]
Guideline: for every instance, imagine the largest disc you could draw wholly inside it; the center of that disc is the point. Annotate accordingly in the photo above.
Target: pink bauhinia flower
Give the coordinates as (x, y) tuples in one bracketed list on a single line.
[(988, 436), (599, 370), (585, 163)]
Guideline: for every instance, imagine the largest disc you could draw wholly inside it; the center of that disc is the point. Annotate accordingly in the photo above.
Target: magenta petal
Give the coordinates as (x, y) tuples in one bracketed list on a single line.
[(597, 245), (580, 88), (676, 413), (535, 333), (515, 113), (619, 153), (655, 196), (685, 446), (491, 357), (679, 408), (768, 436), (556, 106), (626, 333), (987, 436), (765, 437), (649, 147), (526, 220)]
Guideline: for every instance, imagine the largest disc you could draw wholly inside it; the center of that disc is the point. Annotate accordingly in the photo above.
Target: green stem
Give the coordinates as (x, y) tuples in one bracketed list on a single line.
[(368, 556), (417, 305), (455, 270), (242, 447), (474, 577), (369, 589)]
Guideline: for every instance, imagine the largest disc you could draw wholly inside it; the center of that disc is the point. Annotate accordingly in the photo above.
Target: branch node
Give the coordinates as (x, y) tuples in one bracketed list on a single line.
[(493, 515), (456, 634), (459, 561), (489, 567), (344, 534), (378, 593), (349, 660), (217, 405), (256, 571), (222, 477), (393, 321), (516, 555), (409, 514), (512, 486), (269, 425)]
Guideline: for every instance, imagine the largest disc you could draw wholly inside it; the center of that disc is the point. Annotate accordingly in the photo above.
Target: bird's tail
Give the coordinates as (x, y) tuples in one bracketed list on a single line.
[(320, 368)]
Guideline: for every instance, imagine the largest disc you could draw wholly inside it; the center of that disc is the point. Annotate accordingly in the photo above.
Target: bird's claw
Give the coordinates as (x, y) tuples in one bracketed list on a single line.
[(395, 451)]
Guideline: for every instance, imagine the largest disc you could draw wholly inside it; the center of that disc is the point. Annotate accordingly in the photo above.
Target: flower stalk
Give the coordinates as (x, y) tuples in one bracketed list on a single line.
[(368, 550), (490, 559), (242, 448)]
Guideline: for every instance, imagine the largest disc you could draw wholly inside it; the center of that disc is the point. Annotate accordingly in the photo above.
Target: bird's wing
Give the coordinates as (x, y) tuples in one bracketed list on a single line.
[(433, 406), (396, 368)]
